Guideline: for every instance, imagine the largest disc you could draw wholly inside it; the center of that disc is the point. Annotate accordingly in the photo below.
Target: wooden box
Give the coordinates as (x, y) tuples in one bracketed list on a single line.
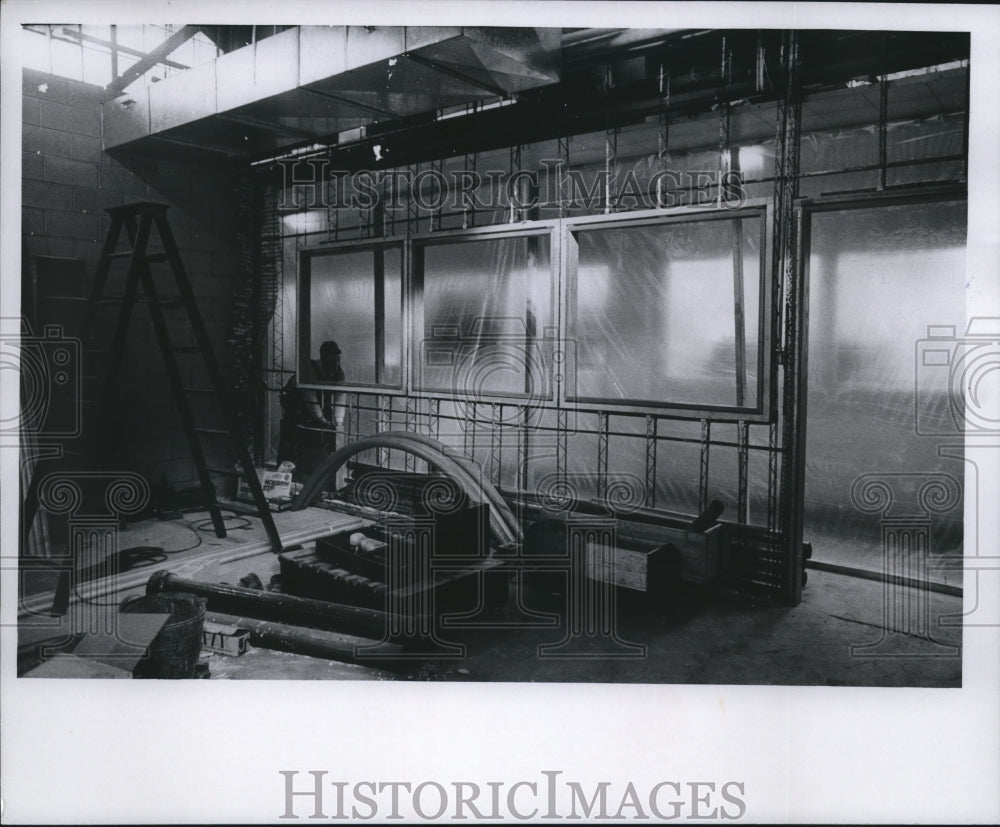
[(641, 569), (645, 554)]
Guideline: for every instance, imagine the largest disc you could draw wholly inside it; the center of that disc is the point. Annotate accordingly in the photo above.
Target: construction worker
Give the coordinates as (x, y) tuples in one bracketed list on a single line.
[(309, 421)]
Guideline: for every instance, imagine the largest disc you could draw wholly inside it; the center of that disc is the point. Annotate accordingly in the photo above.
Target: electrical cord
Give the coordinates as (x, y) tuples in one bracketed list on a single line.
[(138, 557), (207, 525)]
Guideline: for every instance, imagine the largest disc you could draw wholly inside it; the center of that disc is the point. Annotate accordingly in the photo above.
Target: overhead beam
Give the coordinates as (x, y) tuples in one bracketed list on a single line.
[(351, 71), (78, 37), (144, 64)]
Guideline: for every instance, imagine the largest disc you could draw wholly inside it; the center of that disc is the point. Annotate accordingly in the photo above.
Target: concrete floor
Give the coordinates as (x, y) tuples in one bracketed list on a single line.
[(696, 635), (700, 638)]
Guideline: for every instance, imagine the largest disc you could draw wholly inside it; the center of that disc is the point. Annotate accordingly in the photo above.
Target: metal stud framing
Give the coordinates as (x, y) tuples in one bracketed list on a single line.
[(602, 454), (513, 213), (410, 414), (469, 434), (562, 430), (468, 199), (786, 246), (437, 166), (412, 203), (610, 169), (706, 445), (742, 457), (523, 446), (434, 418), (651, 428), (563, 184), (384, 423), (496, 442)]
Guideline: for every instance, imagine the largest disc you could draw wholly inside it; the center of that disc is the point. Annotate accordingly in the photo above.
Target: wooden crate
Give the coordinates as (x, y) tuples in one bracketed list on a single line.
[(644, 555), (641, 569)]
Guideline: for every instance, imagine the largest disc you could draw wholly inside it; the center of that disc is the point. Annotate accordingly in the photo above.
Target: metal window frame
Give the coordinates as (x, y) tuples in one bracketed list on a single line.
[(548, 228), (804, 210), (303, 284), (762, 209)]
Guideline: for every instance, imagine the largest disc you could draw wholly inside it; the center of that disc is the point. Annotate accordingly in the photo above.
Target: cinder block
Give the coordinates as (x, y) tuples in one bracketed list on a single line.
[(83, 94), (29, 111), (65, 171), (89, 251), (32, 221), (209, 241), (45, 194), (85, 200), (79, 120), (197, 263), (50, 142), (210, 286), (41, 245), (71, 224), (118, 178), (86, 148), (225, 265), (35, 84), (216, 313), (109, 198), (31, 166)]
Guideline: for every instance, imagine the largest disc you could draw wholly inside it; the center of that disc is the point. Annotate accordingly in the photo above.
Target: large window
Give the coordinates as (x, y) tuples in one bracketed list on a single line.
[(486, 325), (669, 313), (888, 338), (354, 298)]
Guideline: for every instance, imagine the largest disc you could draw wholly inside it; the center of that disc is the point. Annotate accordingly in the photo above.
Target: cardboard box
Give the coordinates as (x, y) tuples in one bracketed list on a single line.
[(277, 486)]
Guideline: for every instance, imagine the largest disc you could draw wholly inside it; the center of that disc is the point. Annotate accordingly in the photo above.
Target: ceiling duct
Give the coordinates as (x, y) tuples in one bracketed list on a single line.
[(310, 83)]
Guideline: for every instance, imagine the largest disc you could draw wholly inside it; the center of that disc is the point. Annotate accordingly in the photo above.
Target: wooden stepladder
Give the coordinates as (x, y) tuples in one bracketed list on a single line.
[(142, 285)]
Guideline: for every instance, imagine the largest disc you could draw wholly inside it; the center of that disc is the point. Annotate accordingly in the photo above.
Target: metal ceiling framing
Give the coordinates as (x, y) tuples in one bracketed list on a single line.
[(315, 83)]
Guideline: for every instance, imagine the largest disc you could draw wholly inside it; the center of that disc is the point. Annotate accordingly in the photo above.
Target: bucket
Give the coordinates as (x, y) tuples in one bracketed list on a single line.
[(174, 651)]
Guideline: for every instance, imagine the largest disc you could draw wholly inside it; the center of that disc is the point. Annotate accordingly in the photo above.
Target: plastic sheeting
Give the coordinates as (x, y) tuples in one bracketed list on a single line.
[(669, 313), (343, 308), (879, 277), (485, 305)]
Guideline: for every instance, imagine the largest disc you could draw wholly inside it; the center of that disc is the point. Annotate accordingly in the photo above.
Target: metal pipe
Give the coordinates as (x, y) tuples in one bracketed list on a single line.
[(315, 643), (284, 608)]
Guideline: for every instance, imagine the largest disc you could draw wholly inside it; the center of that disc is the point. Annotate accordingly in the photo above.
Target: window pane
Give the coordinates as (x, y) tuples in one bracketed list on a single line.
[(393, 319), (344, 307), (485, 306), (878, 279), (654, 316)]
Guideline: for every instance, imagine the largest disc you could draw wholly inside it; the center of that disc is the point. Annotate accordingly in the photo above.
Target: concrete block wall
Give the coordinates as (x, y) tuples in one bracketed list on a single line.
[(68, 182)]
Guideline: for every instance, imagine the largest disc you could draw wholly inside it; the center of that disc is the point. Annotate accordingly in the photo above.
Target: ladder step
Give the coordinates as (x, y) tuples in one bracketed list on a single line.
[(162, 301), (139, 255), (148, 257)]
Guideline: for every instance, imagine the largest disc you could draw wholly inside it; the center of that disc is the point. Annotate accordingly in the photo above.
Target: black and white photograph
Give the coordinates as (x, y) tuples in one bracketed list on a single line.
[(500, 411)]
